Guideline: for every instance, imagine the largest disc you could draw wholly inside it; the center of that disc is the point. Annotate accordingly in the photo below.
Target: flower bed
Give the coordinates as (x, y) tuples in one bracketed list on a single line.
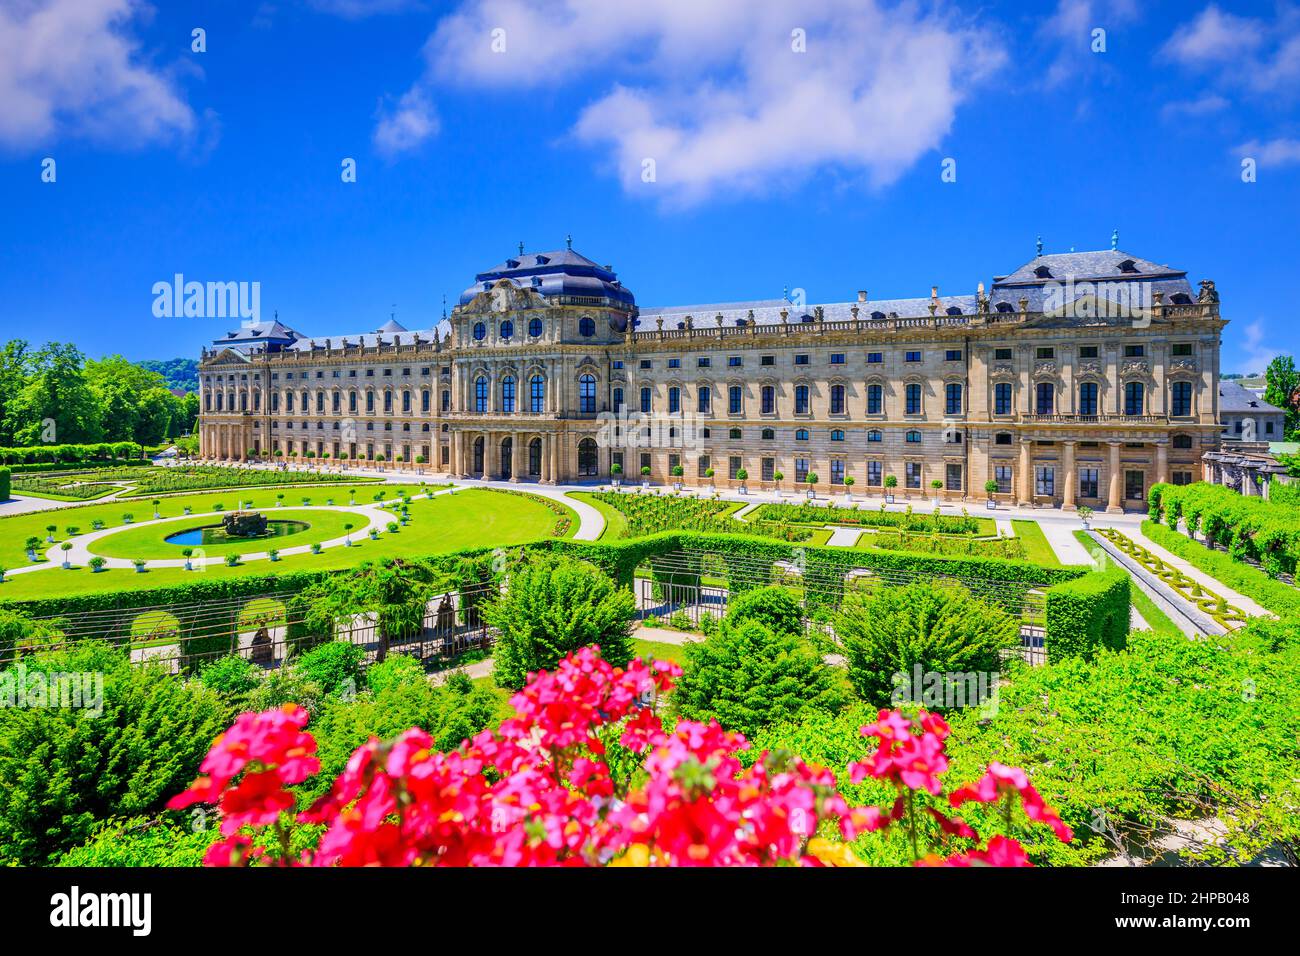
[(902, 520)]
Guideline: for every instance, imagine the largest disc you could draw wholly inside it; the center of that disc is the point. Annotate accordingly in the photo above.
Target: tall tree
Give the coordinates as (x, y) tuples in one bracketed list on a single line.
[(55, 404), (393, 593), (123, 391), (1282, 388), (13, 376)]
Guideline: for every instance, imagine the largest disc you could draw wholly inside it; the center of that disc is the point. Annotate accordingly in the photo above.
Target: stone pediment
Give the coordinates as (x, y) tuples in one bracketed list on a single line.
[(504, 296), (227, 357)]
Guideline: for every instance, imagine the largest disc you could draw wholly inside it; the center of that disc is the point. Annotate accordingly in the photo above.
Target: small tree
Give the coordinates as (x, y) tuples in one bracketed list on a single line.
[(849, 481), (65, 548), (156, 503), (746, 677), (50, 530), (742, 474), (709, 473), (96, 564), (678, 471), (347, 535), (778, 478), (394, 592), (991, 487), (937, 485), (187, 554), (615, 469), (645, 473), (553, 606), (776, 608)]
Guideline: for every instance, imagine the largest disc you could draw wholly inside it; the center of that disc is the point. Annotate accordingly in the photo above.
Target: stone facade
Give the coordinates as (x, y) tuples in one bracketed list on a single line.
[(547, 371)]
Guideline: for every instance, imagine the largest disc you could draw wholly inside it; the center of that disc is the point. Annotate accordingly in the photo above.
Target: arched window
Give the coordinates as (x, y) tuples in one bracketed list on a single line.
[(587, 398), (1088, 398), (952, 399), (769, 434), (801, 399), (508, 395), (507, 329), (370, 402), (1180, 399), (1134, 398), (480, 333), (768, 399), (586, 327), (914, 438), (587, 457), (912, 394), (352, 401), (1046, 399), (875, 435), (537, 394), (535, 330), (535, 454), (618, 399), (478, 455), (837, 434), (424, 400), (837, 399), (481, 395), (735, 399), (704, 399), (801, 434), (875, 399), (406, 400), (647, 399), (674, 399), (1182, 442), (734, 434)]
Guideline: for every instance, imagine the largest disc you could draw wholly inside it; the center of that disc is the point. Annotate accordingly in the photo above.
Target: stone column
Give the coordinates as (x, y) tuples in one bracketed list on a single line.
[(1071, 481), (518, 452), (1025, 478), (1116, 503), (1162, 462), (545, 476)]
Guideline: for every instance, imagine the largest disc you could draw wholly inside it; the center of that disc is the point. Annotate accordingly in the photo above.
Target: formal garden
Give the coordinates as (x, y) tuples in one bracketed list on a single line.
[(128, 481), (829, 706)]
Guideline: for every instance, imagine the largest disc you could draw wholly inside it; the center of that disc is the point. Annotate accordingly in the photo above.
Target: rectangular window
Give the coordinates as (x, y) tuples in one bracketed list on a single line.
[(1002, 398), (874, 469), (875, 358), (1087, 482), (912, 357), (1182, 478), (1002, 475), (912, 474), (1044, 352), (1135, 485), (800, 470), (913, 399), (952, 476), (801, 359), (673, 461), (1180, 349), (837, 472), (617, 363), (733, 466), (952, 355), (952, 399), (702, 466), (767, 360), (645, 363), (1087, 351), (837, 358), (768, 468), (1180, 395), (1134, 351), (735, 400), (645, 459), (735, 361), (704, 362), (675, 363), (1045, 481), (1002, 355)]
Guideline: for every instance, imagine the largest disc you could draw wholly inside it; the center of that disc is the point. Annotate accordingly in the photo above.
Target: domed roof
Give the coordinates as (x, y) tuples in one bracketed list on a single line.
[(558, 273)]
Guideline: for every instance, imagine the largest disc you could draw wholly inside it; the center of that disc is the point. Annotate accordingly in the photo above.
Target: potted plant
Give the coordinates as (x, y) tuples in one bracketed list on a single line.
[(156, 503), (31, 545), (678, 471), (645, 476), (848, 487), (315, 547), (810, 480), (352, 496), (709, 473), (777, 478), (1085, 513), (279, 500), (742, 476), (937, 486), (232, 560), (2, 574), (991, 489), (139, 565), (50, 529), (347, 535), (374, 534), (187, 554), (188, 510), (891, 482), (274, 554)]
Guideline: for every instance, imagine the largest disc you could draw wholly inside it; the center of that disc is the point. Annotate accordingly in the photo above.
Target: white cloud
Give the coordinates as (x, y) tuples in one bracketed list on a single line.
[(714, 92), (71, 67), (1275, 152), (1246, 55), (410, 124), (1201, 106), (1071, 26), (1255, 352), (1215, 37)]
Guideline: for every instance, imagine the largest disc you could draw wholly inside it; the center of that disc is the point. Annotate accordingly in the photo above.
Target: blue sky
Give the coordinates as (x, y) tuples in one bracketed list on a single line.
[(796, 144)]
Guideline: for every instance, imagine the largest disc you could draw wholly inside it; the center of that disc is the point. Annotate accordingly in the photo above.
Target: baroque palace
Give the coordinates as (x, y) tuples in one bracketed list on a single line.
[(1076, 379)]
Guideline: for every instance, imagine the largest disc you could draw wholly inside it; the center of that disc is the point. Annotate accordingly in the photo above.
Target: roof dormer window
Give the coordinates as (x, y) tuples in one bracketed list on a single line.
[(512, 263), (542, 260), (953, 310), (1128, 265), (1043, 272), (1005, 307), (1180, 298)]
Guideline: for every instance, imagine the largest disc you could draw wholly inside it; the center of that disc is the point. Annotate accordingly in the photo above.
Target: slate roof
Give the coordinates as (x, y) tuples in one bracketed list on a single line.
[(1104, 264), (557, 272), (1236, 398)]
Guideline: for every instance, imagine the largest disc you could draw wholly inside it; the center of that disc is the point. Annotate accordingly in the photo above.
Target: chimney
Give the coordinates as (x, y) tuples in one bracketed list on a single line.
[(862, 295)]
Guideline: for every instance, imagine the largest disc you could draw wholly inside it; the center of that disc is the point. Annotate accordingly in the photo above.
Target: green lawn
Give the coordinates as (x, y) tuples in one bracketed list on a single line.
[(466, 519), (1037, 548), (675, 653), (148, 543), (615, 520)]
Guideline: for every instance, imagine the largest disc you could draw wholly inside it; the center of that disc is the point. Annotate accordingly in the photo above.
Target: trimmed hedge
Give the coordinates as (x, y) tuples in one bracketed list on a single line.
[(1252, 529), (1276, 596), (4, 484), (1089, 612), (70, 454)]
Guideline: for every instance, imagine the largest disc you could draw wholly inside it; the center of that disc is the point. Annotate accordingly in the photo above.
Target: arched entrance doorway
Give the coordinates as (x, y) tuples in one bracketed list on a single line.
[(587, 458), (535, 458), (478, 456), (507, 457)]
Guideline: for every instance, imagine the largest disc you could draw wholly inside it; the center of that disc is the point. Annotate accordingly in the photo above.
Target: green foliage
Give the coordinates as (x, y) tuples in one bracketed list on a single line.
[(63, 768), (19, 632), (902, 520), (332, 666), (233, 677), (943, 629), (1282, 384), (397, 669), (1088, 613), (552, 607), (141, 841), (5, 484), (776, 608), (747, 677), (1253, 530), (393, 592)]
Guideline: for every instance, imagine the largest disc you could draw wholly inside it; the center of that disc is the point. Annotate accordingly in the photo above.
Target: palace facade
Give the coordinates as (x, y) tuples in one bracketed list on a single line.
[(1076, 379)]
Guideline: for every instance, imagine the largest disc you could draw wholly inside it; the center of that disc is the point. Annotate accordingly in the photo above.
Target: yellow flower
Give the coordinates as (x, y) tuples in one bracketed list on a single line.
[(832, 854), (638, 854)]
